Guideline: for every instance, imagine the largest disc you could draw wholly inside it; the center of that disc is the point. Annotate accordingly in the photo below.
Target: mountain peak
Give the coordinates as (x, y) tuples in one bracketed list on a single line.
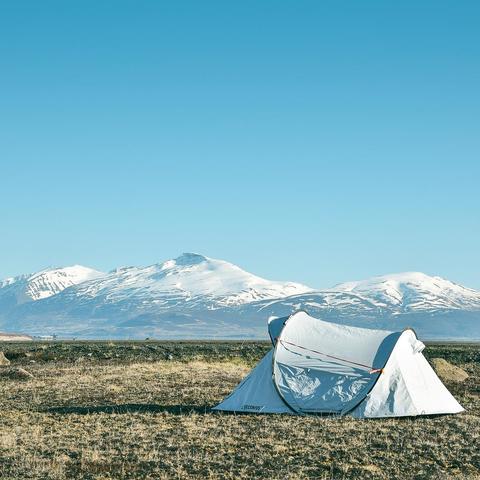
[(190, 259)]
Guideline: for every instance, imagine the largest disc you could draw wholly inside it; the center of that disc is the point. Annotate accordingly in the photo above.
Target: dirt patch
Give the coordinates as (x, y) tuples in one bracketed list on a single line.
[(448, 372)]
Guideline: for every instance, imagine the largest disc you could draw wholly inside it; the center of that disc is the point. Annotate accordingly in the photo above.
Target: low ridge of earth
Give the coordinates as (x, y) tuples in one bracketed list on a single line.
[(14, 337), (118, 410)]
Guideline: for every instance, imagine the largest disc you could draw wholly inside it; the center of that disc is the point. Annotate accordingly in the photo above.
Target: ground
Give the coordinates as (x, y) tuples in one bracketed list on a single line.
[(103, 410)]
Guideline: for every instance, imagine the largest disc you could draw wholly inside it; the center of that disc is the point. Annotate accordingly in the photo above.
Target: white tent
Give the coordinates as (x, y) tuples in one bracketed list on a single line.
[(317, 367)]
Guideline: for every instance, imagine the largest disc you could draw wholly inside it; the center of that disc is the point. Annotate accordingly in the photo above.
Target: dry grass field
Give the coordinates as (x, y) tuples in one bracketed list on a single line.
[(141, 410)]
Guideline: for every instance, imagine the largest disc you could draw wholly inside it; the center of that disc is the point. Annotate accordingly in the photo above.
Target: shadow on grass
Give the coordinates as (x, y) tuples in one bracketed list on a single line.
[(131, 408)]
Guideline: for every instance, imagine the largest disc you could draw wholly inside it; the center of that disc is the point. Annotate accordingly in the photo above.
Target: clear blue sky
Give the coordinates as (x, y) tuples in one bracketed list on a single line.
[(316, 141)]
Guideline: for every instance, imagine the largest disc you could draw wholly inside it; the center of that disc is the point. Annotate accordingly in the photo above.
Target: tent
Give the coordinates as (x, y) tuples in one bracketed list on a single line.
[(318, 367)]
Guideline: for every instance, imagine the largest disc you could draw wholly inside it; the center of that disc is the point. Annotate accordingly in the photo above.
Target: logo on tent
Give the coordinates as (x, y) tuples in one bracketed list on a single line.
[(255, 408)]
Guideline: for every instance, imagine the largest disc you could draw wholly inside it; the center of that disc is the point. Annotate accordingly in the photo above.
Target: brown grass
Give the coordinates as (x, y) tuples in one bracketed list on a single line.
[(151, 420)]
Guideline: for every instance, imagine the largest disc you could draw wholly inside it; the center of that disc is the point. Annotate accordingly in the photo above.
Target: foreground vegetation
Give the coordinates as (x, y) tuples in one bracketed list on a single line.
[(102, 410)]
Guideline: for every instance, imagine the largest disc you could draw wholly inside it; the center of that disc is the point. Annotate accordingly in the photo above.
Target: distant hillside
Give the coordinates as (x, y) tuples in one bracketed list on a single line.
[(194, 296)]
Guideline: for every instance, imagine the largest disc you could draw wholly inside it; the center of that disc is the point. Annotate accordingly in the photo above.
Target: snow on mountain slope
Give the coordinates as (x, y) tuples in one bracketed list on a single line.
[(190, 295), (401, 293), (435, 307), (189, 279), (44, 284), (412, 291)]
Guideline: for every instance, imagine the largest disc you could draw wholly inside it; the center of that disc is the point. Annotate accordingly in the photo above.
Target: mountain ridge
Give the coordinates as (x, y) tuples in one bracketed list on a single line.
[(197, 296), (46, 282)]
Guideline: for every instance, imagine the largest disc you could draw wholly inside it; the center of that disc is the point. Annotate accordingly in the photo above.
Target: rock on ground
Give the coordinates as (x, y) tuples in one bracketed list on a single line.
[(4, 360), (448, 372)]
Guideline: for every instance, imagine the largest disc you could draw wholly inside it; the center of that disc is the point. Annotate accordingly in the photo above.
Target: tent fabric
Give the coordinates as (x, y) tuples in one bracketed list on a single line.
[(337, 377), (275, 326), (319, 367), (256, 393), (408, 386)]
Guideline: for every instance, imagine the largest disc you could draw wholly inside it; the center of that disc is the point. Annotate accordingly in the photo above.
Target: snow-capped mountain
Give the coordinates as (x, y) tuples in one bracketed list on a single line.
[(46, 283), (172, 298), (189, 279), (194, 296), (413, 291), (435, 307)]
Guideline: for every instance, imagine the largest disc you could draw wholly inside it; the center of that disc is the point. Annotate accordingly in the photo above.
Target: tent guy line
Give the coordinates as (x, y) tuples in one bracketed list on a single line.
[(371, 368)]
